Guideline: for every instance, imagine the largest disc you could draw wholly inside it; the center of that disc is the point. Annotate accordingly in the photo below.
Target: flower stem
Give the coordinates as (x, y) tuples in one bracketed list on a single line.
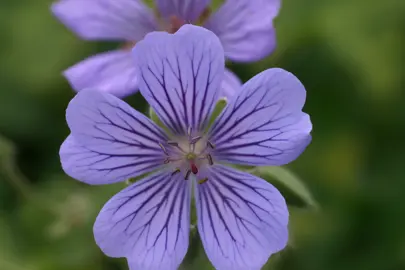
[(16, 179)]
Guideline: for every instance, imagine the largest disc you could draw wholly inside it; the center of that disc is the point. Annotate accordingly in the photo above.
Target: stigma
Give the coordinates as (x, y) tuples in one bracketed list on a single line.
[(193, 167)]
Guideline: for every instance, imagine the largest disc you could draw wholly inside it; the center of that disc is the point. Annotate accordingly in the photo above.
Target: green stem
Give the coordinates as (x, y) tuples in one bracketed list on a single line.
[(22, 185), (17, 179)]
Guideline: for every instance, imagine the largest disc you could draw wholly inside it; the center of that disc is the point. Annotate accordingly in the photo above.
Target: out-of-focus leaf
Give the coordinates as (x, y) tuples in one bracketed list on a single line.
[(8, 169), (7, 246), (6, 149), (291, 186), (196, 257), (156, 120), (216, 4), (149, 3), (59, 235), (194, 250), (276, 260), (219, 107), (38, 56)]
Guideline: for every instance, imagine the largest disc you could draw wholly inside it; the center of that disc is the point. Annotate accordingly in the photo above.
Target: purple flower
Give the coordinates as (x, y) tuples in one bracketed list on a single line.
[(242, 219), (245, 28)]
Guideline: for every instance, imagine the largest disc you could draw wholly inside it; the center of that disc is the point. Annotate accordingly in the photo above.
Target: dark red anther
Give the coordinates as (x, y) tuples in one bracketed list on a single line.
[(194, 168)]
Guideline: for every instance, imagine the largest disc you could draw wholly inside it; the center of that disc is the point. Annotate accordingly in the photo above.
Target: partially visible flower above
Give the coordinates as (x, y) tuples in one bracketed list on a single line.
[(245, 28), (242, 219)]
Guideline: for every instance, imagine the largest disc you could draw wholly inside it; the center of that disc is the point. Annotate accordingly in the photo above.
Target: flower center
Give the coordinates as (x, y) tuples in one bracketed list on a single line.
[(188, 154), (171, 25), (174, 23)]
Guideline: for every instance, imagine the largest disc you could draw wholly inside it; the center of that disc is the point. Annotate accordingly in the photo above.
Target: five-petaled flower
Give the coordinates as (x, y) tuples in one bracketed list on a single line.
[(245, 28), (242, 219)]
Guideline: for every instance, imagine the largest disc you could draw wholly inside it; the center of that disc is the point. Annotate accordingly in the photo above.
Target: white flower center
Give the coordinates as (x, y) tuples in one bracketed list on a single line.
[(188, 154)]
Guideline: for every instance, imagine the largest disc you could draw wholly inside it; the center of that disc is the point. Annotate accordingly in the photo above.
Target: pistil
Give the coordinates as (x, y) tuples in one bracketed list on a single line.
[(193, 167)]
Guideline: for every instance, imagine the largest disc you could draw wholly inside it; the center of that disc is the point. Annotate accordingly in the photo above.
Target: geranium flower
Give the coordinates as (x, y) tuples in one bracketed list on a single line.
[(244, 27), (242, 219)]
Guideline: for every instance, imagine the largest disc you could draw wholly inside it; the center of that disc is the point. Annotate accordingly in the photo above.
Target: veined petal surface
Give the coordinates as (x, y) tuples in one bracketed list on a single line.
[(128, 20), (180, 75), (264, 124), (242, 219), (110, 141), (148, 223)]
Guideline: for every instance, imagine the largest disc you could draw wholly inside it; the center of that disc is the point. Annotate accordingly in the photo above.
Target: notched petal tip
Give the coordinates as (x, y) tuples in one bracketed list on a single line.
[(112, 141), (185, 9), (180, 75), (188, 31), (147, 222)]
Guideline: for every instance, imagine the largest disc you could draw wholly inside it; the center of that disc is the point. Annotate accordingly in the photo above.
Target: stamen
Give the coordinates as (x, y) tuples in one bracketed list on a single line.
[(194, 168), (187, 175), (172, 143), (210, 145), (176, 171), (195, 140), (166, 161), (202, 181), (163, 148), (210, 161), (175, 144), (189, 131)]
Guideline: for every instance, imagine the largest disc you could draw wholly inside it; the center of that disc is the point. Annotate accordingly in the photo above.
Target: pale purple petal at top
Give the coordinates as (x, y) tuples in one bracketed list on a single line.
[(148, 223), (231, 84), (245, 28), (127, 20), (264, 124), (111, 141), (180, 75), (242, 219), (112, 72), (188, 10)]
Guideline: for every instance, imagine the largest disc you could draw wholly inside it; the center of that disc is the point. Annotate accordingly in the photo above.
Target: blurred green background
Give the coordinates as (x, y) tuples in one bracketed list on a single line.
[(350, 55)]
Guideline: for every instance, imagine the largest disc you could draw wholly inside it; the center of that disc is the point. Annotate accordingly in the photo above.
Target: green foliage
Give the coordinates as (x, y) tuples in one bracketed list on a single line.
[(8, 169), (290, 185), (347, 54), (153, 116), (219, 107), (149, 3)]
